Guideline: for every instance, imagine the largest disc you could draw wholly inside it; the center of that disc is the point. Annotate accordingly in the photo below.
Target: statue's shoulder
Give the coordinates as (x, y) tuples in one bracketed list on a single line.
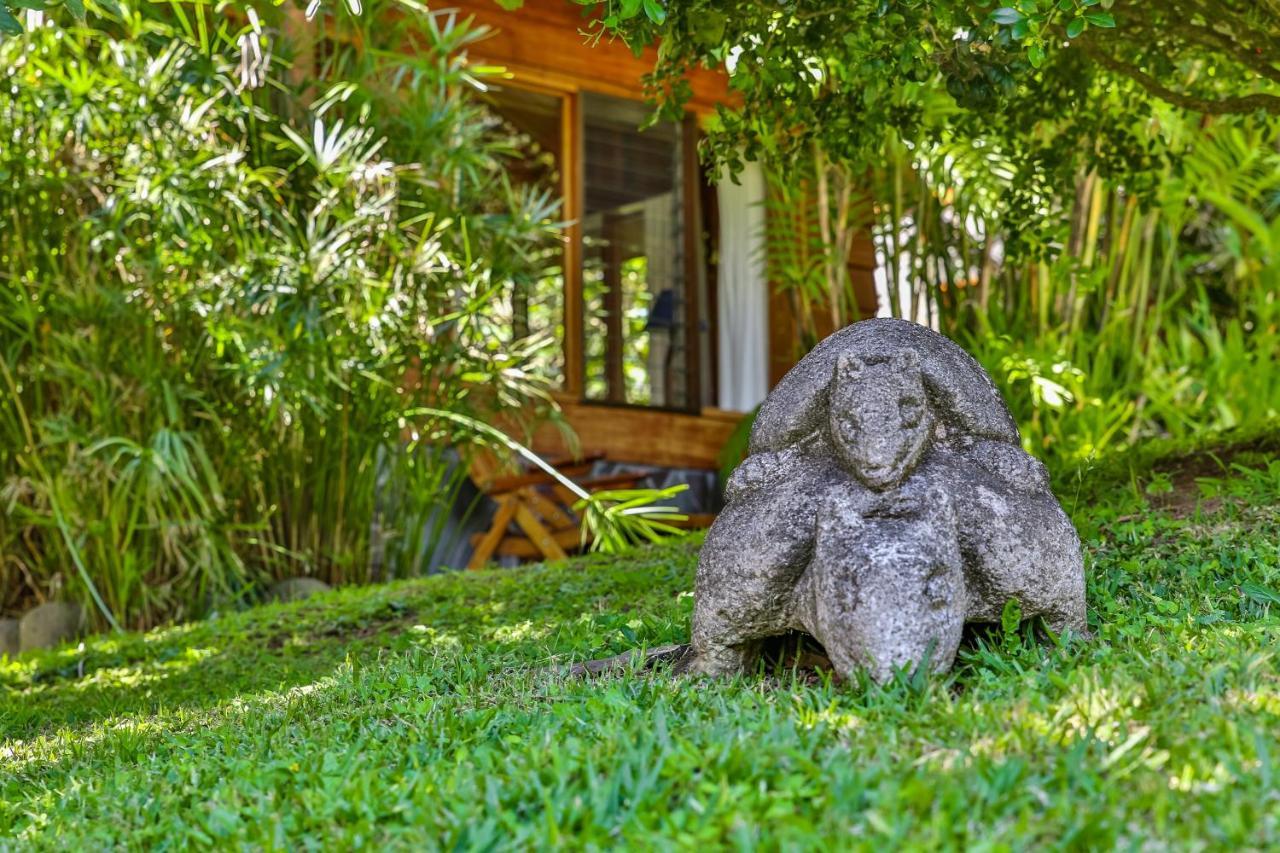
[(1008, 462), (803, 465)]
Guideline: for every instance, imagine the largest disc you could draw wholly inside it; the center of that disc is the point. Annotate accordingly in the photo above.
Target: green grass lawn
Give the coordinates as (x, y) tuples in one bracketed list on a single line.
[(430, 713)]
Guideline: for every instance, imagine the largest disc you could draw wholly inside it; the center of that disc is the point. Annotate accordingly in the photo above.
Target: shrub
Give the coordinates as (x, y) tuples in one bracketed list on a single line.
[(223, 309)]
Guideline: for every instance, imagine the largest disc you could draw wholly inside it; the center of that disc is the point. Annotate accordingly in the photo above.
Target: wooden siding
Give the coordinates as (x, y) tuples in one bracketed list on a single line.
[(643, 436)]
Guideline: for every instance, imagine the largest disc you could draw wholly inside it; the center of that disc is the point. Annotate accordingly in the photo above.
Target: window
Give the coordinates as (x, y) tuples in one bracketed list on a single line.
[(626, 307), (535, 314), (633, 270)]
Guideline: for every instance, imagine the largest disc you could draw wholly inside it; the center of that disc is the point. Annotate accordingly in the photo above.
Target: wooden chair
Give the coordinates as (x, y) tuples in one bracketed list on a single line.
[(534, 518)]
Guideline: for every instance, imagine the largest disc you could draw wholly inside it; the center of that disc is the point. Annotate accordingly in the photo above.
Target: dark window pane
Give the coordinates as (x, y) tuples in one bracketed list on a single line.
[(633, 263), (533, 309)]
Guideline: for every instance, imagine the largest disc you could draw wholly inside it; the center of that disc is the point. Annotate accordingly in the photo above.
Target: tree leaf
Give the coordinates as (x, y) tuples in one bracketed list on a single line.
[(1075, 28), (709, 27), (630, 8), (1035, 54), (1100, 19), (8, 23), (654, 10), (510, 5), (1006, 15)]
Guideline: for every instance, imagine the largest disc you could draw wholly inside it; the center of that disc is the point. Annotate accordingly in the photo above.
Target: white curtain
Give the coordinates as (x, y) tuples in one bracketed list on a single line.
[(742, 291)]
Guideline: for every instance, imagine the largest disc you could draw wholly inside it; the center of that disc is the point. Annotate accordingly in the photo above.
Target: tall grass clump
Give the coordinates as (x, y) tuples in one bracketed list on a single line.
[(228, 308)]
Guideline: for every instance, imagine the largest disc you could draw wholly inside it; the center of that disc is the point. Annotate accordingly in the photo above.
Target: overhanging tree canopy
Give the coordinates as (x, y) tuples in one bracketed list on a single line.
[(842, 73)]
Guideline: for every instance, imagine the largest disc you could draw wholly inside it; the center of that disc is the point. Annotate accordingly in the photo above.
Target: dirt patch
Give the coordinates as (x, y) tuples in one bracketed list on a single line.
[(1183, 499)]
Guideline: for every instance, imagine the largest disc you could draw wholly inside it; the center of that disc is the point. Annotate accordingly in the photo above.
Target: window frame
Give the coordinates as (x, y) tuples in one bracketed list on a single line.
[(573, 196)]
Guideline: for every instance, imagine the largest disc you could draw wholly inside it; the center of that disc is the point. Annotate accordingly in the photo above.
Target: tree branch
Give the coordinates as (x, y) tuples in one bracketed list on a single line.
[(1215, 40), (1251, 46), (1210, 106)]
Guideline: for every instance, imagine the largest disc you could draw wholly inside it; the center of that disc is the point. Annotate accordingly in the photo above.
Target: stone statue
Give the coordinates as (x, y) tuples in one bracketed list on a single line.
[(886, 500)]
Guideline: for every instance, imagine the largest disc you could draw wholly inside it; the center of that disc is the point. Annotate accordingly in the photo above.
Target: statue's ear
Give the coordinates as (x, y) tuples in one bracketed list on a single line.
[(905, 361)]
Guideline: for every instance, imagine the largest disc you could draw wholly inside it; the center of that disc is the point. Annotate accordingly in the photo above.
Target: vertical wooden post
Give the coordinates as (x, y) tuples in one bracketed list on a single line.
[(572, 172), (709, 241)]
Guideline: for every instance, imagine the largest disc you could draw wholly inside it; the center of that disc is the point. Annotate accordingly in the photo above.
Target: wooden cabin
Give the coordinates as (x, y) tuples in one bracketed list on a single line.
[(669, 330), (666, 328)]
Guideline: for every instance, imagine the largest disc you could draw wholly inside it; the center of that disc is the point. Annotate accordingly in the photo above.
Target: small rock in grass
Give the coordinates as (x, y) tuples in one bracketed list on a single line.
[(296, 589), (642, 659), (50, 625), (9, 643)]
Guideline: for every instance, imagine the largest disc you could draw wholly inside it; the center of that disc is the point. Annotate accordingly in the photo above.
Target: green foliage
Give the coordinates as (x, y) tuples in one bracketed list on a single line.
[(841, 73), (220, 309), (1037, 27), (620, 519), (1146, 313), (424, 713), (1105, 255)]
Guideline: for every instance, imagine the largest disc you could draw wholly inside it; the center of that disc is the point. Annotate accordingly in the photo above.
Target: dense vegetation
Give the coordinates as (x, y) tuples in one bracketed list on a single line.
[(429, 711), (246, 315), (224, 303), (1082, 193)]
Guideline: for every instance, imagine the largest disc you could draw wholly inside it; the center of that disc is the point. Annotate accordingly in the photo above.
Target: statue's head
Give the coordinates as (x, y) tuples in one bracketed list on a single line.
[(879, 417)]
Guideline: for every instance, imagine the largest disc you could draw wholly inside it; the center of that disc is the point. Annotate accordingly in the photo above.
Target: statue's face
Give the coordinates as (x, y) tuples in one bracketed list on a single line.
[(879, 418)]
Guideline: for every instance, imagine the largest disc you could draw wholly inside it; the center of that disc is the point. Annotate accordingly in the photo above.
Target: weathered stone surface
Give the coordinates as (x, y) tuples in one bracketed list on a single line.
[(10, 644), (296, 589), (886, 501), (50, 625), (961, 393), (886, 582)]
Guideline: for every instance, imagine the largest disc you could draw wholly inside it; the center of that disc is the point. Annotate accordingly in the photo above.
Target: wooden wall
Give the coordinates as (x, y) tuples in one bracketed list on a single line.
[(643, 436)]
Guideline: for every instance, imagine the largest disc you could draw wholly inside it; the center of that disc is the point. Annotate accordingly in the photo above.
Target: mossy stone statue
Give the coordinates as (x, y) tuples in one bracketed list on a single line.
[(886, 500)]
